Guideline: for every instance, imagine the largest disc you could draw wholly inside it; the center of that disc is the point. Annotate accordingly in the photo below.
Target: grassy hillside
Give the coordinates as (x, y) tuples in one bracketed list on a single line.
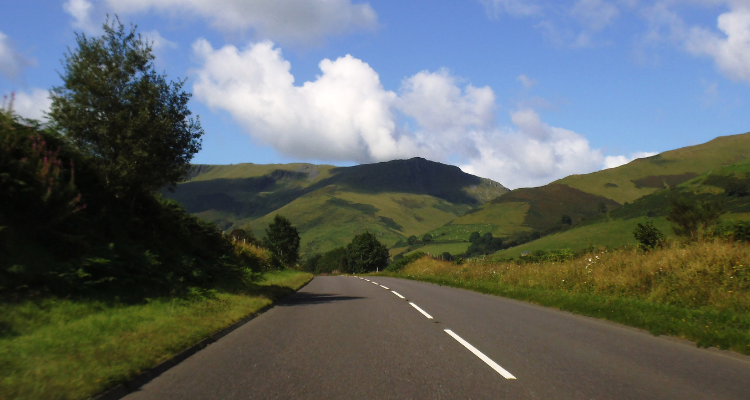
[(532, 212), (614, 229), (329, 205)]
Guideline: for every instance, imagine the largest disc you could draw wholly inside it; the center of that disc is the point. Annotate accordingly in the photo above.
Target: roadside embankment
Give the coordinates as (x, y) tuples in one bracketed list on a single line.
[(57, 348), (698, 291)]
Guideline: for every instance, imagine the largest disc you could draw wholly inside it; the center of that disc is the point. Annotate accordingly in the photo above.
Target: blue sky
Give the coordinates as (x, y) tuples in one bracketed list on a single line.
[(519, 91)]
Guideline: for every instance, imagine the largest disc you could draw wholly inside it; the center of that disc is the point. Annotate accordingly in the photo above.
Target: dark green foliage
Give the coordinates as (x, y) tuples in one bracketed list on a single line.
[(739, 231), (474, 236), (311, 264), (241, 235), (332, 261), (365, 254), (566, 220), (648, 236), (133, 124), (364, 208), (412, 240), (688, 217), (64, 232), (398, 265), (602, 208), (732, 185), (446, 256), (543, 256), (282, 239), (663, 181), (427, 238), (485, 244)]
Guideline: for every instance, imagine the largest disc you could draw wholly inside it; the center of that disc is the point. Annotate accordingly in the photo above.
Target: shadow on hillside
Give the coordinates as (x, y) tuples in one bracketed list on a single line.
[(302, 299)]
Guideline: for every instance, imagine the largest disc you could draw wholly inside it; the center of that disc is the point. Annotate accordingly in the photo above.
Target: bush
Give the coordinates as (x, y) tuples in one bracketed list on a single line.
[(334, 260), (689, 217), (648, 236), (366, 254), (282, 239)]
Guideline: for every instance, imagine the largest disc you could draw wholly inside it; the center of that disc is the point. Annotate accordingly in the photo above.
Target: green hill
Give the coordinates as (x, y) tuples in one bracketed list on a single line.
[(533, 212), (329, 205), (728, 185)]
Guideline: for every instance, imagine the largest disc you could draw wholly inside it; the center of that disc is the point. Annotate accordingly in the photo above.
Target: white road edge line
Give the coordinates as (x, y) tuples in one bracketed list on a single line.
[(421, 310), (374, 283), (481, 355), (394, 292), (384, 287)]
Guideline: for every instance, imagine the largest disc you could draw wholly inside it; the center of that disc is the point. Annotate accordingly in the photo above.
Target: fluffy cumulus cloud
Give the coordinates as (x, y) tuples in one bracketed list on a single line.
[(730, 49), (11, 61), (616, 161), (346, 114), (81, 11), (31, 104), (285, 20)]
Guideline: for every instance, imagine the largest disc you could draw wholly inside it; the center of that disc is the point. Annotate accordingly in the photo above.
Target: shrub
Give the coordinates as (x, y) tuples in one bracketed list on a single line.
[(365, 253), (648, 236)]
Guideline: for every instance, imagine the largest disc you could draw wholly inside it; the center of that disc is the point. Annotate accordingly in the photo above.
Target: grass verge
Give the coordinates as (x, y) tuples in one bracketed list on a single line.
[(699, 292), (56, 348)]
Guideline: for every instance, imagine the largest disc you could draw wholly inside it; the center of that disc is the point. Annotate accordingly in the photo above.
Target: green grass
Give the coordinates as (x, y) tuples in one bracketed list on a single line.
[(57, 348), (439, 248)]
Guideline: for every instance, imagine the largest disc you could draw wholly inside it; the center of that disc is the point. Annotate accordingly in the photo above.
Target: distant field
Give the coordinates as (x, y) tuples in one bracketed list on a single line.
[(460, 232), (612, 233), (438, 249)]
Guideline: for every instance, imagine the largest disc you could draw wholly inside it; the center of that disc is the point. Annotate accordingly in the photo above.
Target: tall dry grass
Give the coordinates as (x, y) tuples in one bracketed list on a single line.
[(701, 275)]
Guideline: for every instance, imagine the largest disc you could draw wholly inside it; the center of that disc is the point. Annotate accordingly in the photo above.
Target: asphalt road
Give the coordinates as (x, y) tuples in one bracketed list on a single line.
[(347, 338)]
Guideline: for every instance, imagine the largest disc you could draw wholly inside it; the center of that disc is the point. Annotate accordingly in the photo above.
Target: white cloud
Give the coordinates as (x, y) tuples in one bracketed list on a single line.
[(345, 114), (616, 161), (81, 10), (32, 104), (516, 8), (526, 81), (302, 21), (11, 61), (157, 41), (594, 14), (730, 51)]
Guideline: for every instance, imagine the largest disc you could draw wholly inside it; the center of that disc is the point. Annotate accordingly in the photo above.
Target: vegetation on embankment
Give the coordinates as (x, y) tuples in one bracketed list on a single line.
[(58, 348), (698, 291)]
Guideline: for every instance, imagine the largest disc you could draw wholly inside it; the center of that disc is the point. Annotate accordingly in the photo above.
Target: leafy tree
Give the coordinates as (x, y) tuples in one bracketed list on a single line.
[(474, 236), (566, 220), (334, 260), (602, 208), (485, 244), (114, 106), (427, 238), (648, 236), (412, 240), (282, 239), (365, 253), (311, 264), (242, 235), (447, 256), (688, 217)]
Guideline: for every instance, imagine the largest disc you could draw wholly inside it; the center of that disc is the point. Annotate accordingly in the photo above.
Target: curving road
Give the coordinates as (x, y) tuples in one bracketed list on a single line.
[(349, 338)]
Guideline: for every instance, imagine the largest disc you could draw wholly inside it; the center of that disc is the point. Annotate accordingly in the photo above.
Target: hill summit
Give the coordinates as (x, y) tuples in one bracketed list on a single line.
[(329, 204)]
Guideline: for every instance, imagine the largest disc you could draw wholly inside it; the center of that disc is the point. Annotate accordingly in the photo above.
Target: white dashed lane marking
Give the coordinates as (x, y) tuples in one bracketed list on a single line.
[(396, 293), (384, 287), (481, 355), (421, 310)]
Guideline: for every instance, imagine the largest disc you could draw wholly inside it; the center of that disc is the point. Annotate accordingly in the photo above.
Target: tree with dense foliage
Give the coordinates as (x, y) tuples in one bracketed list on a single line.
[(412, 240), (132, 122), (566, 220), (241, 235), (365, 253), (602, 208), (282, 239), (333, 261), (474, 236), (485, 244), (427, 238), (689, 217), (648, 236)]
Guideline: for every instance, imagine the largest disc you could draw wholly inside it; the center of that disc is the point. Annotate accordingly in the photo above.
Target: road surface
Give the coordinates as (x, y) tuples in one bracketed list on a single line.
[(384, 338)]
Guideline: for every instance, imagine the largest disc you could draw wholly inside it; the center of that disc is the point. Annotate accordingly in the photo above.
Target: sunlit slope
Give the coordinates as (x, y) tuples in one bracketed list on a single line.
[(329, 205), (647, 175), (616, 227), (538, 210)]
